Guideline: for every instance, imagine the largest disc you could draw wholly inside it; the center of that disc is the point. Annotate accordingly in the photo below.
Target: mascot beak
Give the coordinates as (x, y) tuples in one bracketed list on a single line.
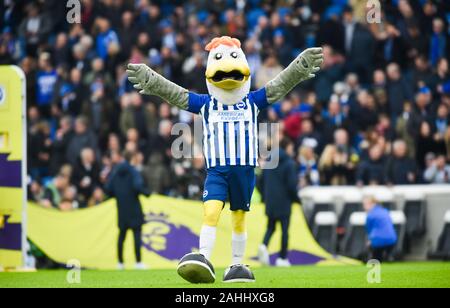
[(228, 74)]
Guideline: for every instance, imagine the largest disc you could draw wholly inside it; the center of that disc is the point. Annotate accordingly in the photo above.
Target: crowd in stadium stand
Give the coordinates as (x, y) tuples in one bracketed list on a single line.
[(378, 112)]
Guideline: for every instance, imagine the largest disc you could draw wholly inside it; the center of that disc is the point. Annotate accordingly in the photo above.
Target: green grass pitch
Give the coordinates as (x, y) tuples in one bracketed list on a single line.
[(399, 275)]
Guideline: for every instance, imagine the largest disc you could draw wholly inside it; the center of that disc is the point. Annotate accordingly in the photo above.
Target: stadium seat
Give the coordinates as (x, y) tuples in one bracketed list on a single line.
[(389, 205), (399, 221), (355, 241), (318, 203), (317, 208), (443, 249), (325, 230), (347, 211), (415, 210), (344, 221), (352, 203)]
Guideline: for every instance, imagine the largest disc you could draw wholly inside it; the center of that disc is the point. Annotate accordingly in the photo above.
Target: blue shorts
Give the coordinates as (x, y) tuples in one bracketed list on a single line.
[(235, 182)]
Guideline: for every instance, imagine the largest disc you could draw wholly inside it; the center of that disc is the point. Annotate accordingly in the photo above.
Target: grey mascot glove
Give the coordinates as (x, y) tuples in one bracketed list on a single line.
[(304, 67), (142, 77), (309, 62), (148, 82)]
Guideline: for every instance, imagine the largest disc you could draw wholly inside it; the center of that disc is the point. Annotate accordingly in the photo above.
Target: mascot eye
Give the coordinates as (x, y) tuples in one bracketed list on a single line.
[(219, 56), (234, 55)]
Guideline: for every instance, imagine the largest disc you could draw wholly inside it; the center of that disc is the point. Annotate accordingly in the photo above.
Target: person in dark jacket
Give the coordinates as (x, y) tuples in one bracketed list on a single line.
[(59, 146), (401, 169), (86, 175), (359, 45), (371, 171), (380, 230), (427, 143), (83, 138), (126, 184), (398, 90), (279, 191)]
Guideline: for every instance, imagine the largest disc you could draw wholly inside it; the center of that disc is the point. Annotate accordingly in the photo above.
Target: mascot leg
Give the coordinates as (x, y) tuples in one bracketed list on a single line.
[(239, 236), (211, 217), (195, 267), (238, 272)]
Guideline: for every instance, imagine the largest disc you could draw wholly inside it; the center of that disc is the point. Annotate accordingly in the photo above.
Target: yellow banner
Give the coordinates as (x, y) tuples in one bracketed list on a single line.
[(171, 230)]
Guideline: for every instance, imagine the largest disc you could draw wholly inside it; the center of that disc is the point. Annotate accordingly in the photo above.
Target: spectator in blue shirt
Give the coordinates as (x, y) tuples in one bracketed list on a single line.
[(438, 44), (105, 38), (380, 230), (46, 79)]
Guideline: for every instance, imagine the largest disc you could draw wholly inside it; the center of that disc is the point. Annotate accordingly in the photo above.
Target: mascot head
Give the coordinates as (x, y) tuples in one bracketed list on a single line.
[(227, 73)]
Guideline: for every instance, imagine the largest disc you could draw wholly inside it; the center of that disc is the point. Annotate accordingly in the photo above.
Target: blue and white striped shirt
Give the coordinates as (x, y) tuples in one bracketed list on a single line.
[(230, 133)]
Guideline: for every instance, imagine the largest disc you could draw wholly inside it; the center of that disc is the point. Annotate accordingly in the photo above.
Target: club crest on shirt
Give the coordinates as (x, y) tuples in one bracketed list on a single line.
[(241, 106)]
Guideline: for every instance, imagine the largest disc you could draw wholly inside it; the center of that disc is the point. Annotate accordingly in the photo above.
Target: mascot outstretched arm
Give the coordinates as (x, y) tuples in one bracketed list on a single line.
[(230, 112)]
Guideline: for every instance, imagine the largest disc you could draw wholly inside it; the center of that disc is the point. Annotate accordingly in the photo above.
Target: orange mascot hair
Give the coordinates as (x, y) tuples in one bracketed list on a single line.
[(224, 40)]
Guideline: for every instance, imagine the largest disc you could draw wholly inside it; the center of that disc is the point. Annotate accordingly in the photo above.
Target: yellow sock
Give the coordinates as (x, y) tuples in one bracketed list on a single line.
[(212, 211), (238, 221)]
